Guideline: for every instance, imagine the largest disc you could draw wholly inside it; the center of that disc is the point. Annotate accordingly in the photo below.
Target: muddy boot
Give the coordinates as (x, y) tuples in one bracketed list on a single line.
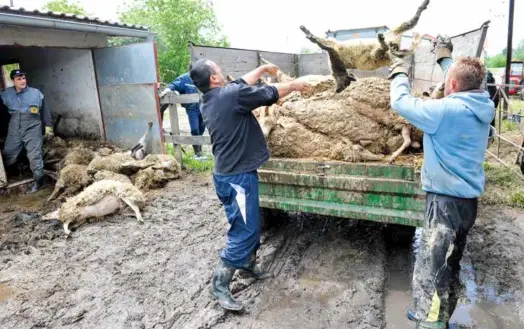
[(253, 270), (220, 290), (423, 324), (37, 183)]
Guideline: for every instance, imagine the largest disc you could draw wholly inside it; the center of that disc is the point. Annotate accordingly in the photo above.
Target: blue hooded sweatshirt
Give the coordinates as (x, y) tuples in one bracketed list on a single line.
[(184, 85), (456, 130)]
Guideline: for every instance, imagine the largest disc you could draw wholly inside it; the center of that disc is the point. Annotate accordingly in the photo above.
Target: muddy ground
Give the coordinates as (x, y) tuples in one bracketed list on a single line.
[(330, 273)]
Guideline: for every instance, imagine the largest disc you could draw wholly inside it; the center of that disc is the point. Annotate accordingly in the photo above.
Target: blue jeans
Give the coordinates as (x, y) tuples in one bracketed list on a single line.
[(195, 121), (239, 195)]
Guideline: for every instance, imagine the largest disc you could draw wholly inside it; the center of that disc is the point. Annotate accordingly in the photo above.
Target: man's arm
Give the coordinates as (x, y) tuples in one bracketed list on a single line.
[(176, 85), (445, 63), (251, 97), (252, 77), (423, 114)]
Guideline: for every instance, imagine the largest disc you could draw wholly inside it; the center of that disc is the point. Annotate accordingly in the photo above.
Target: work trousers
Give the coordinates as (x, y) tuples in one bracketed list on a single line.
[(239, 196), (437, 266), (25, 131), (196, 123)]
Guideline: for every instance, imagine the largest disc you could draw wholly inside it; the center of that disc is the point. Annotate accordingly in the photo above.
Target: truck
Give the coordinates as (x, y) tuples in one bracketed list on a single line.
[(516, 77), (387, 193)]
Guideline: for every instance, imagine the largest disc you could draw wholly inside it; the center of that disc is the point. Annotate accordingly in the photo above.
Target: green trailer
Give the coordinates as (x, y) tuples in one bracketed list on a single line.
[(367, 191)]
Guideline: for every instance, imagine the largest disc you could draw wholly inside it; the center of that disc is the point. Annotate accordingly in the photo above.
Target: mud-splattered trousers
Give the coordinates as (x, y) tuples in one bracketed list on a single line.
[(27, 110), (239, 195), (437, 266)]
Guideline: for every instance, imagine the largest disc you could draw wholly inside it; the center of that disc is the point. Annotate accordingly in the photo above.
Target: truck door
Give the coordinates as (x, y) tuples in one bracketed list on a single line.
[(127, 80)]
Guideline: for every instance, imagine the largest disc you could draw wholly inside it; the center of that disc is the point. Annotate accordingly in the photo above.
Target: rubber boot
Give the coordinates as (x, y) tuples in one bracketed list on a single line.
[(37, 183), (198, 150), (423, 324), (220, 290), (253, 270)]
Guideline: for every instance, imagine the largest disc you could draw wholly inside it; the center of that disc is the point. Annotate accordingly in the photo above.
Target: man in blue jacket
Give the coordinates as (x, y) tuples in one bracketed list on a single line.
[(239, 149), (456, 130), (184, 85)]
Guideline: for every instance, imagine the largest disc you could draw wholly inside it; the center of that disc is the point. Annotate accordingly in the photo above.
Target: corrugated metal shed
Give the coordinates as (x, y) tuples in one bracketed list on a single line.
[(68, 17)]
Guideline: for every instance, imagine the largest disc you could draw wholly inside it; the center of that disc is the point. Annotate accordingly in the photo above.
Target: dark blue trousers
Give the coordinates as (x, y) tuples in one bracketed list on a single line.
[(239, 195), (196, 122)]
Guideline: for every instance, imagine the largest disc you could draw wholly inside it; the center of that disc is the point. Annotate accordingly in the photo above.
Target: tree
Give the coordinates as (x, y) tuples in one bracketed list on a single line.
[(499, 60), (176, 22), (63, 6)]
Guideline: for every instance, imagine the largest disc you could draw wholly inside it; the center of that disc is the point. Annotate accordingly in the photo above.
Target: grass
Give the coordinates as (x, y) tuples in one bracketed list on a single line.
[(502, 187), (188, 161)]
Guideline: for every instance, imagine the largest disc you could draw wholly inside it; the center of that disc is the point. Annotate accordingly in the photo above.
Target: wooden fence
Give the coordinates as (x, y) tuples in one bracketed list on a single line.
[(174, 137)]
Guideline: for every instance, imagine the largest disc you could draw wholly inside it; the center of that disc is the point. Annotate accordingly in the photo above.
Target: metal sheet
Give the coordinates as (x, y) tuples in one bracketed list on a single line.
[(427, 73), (126, 110), (132, 64), (127, 78)]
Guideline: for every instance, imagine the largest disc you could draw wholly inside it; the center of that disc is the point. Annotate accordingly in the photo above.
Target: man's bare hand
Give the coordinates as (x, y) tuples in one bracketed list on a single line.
[(300, 86), (271, 69)]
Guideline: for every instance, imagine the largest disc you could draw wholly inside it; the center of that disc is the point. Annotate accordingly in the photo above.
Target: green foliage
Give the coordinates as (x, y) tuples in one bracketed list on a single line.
[(176, 23), (496, 61), (499, 60), (64, 6)]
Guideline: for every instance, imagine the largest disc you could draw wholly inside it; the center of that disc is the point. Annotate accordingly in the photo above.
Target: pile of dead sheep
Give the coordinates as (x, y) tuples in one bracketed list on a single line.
[(95, 179)]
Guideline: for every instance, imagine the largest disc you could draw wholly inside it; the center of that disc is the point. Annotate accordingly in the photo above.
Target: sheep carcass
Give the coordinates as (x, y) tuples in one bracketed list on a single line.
[(367, 56), (100, 199), (356, 125), (73, 178)]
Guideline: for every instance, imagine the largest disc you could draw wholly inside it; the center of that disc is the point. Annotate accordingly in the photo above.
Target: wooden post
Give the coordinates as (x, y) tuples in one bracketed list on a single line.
[(175, 130), (3, 176)]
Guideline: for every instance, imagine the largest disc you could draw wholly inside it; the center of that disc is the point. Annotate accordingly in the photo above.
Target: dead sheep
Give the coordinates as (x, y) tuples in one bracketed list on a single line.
[(98, 200), (72, 179), (106, 174), (112, 162), (364, 55)]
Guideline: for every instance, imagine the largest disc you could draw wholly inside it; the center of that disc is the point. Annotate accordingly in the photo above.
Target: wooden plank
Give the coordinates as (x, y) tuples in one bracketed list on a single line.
[(189, 140), (175, 130), (172, 98), (3, 176)]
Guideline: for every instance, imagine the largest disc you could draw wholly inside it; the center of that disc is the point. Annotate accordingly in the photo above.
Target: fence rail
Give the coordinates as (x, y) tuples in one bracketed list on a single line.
[(174, 137)]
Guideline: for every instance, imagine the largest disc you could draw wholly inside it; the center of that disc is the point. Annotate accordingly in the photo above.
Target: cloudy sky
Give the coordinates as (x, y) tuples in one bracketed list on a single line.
[(273, 25)]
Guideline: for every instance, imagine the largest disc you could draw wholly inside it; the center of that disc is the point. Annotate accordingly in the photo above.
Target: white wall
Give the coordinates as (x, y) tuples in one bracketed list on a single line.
[(36, 37), (66, 77)]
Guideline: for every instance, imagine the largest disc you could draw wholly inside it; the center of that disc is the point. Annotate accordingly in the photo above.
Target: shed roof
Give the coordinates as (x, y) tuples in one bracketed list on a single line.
[(68, 18)]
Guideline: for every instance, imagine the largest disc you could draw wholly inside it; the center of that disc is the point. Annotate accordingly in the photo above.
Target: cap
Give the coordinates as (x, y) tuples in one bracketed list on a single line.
[(16, 73)]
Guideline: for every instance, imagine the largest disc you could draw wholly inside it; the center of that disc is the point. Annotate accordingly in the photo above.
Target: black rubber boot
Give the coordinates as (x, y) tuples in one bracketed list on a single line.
[(37, 185), (220, 290), (198, 150), (253, 270)]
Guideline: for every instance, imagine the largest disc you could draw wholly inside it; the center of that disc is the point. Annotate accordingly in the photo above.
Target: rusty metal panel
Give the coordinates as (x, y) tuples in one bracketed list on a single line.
[(127, 109), (127, 78), (133, 64)]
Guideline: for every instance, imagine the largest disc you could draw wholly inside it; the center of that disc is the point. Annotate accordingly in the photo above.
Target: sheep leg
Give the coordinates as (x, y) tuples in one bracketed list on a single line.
[(382, 41), (406, 135), (66, 227), (55, 193), (406, 26), (338, 69), (135, 209)]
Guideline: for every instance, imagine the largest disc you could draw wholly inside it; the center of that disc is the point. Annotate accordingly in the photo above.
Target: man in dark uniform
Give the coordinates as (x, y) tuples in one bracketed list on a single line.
[(27, 109), (239, 149)]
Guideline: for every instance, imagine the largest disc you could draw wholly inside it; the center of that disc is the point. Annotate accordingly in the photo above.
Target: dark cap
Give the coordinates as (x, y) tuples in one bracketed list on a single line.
[(16, 73)]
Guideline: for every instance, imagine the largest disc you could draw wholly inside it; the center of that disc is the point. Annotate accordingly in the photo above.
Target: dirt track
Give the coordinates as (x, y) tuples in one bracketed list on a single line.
[(330, 273)]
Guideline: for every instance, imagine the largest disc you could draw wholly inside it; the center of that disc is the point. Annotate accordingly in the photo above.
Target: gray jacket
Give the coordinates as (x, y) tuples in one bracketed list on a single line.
[(29, 100)]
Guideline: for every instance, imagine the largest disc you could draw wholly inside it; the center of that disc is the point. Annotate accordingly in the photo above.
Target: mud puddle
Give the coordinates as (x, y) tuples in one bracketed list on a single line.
[(481, 306)]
